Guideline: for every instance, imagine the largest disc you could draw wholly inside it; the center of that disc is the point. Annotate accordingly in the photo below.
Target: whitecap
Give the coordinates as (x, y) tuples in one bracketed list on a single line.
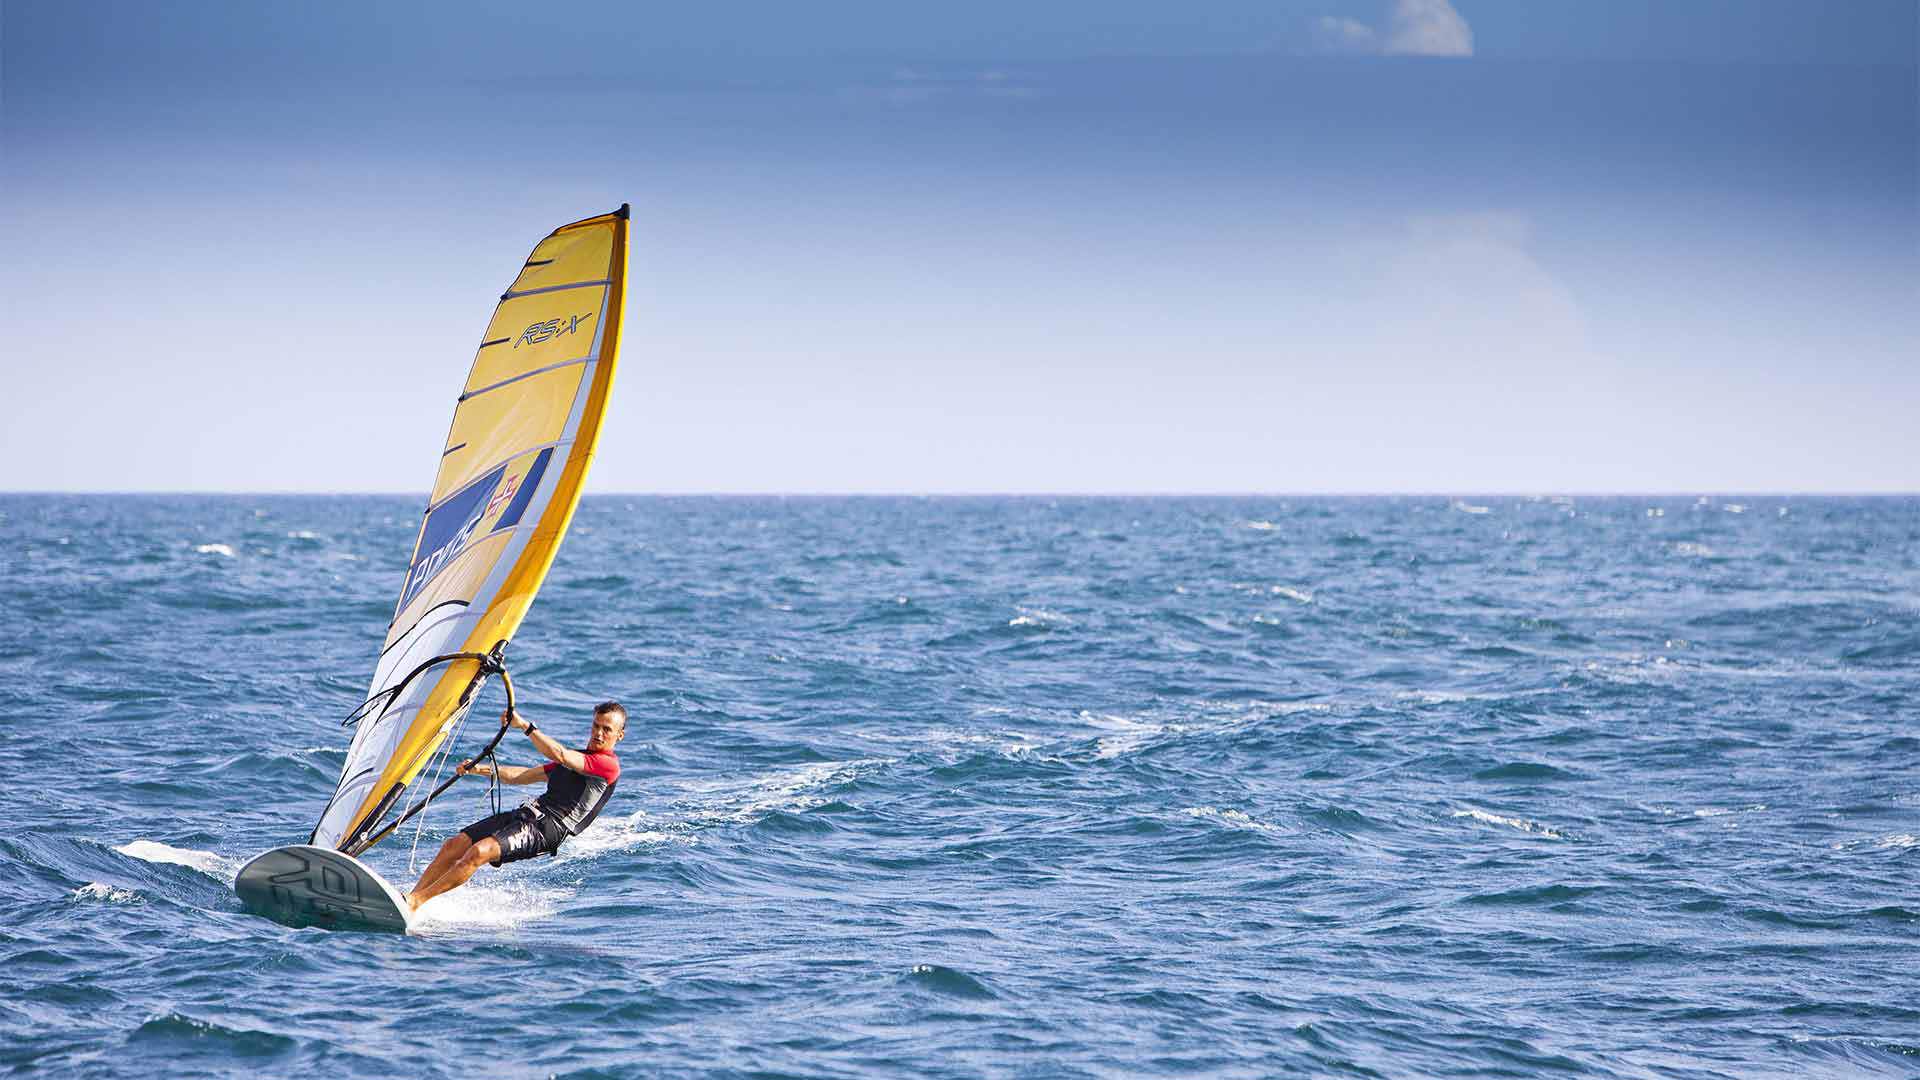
[(1202, 719), (1287, 708), (1435, 697), (1260, 526), (1121, 744), (1455, 697), (1721, 811), (1469, 508), (1235, 818), (1012, 744), (1133, 734), (206, 862), (1037, 617), (1254, 588), (637, 830), (1525, 826), (1897, 841), (96, 890), (215, 549), (784, 791)]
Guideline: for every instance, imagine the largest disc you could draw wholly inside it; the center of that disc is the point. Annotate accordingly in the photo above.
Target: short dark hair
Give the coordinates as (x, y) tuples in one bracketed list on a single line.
[(609, 707)]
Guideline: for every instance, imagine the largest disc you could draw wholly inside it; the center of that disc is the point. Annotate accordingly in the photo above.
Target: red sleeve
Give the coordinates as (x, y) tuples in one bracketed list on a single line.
[(603, 765), (548, 767)]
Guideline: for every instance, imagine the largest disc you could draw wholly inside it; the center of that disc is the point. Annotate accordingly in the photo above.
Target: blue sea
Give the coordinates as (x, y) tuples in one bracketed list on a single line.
[(1035, 787)]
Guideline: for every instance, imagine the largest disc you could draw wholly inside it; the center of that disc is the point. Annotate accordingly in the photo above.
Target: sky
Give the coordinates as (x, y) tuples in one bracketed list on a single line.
[(1095, 246)]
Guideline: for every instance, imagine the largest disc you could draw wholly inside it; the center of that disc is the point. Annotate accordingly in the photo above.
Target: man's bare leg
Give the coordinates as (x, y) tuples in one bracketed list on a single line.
[(450, 852), (469, 863)]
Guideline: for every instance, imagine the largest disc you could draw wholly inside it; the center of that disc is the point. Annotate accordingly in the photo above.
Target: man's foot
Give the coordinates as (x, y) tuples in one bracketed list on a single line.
[(412, 904)]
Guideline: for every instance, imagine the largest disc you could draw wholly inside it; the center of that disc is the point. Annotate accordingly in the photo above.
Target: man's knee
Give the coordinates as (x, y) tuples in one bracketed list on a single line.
[(482, 852)]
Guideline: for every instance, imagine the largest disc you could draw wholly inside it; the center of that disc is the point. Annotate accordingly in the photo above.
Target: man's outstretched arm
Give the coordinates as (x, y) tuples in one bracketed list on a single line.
[(508, 774)]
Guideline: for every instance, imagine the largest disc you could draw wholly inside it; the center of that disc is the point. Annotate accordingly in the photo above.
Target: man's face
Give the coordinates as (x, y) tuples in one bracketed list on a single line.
[(608, 728)]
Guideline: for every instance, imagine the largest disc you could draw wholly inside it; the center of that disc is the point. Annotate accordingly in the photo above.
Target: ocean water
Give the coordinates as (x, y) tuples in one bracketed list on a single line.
[(1002, 787)]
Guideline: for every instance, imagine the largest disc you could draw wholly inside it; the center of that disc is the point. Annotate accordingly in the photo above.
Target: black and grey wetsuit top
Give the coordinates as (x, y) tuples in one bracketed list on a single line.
[(573, 799)]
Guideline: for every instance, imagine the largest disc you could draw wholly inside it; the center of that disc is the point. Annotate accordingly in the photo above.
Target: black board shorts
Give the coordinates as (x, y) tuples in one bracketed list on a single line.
[(522, 834)]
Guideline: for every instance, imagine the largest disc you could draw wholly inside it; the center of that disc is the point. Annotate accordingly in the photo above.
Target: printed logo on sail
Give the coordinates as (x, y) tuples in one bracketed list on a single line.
[(546, 331), (436, 560), (506, 491)]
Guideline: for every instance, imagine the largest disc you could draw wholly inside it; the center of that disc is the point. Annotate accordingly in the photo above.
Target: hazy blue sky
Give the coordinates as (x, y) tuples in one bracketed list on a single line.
[(1093, 245)]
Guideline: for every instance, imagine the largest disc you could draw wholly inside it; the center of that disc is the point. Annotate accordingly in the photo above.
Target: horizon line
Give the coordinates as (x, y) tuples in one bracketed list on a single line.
[(984, 494)]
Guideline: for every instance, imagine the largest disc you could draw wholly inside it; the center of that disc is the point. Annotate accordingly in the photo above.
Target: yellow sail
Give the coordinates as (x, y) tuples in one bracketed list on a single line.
[(510, 476)]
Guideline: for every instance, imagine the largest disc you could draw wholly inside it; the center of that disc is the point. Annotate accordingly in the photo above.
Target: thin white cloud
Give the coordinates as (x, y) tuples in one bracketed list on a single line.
[(1427, 28), (1414, 28), (1338, 35), (1471, 282)]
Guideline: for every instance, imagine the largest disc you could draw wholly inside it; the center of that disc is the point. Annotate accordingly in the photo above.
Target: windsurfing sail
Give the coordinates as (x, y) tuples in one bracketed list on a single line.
[(510, 476)]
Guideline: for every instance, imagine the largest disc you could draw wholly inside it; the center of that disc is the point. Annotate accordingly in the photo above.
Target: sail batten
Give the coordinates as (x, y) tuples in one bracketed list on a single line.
[(517, 451)]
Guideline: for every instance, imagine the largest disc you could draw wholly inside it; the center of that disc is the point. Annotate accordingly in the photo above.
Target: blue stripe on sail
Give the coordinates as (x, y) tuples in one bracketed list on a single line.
[(525, 495)]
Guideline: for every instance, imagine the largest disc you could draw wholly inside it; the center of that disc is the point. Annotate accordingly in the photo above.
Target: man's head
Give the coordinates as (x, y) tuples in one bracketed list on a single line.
[(609, 726)]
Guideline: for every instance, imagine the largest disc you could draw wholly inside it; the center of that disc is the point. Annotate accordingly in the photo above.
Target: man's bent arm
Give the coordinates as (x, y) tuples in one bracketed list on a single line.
[(546, 744)]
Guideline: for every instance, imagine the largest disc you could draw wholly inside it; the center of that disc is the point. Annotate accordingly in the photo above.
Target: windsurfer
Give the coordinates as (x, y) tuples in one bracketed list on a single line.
[(579, 782)]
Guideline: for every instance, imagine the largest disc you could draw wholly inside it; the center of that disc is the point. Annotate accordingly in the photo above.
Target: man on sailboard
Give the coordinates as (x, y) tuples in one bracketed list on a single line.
[(579, 782)]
